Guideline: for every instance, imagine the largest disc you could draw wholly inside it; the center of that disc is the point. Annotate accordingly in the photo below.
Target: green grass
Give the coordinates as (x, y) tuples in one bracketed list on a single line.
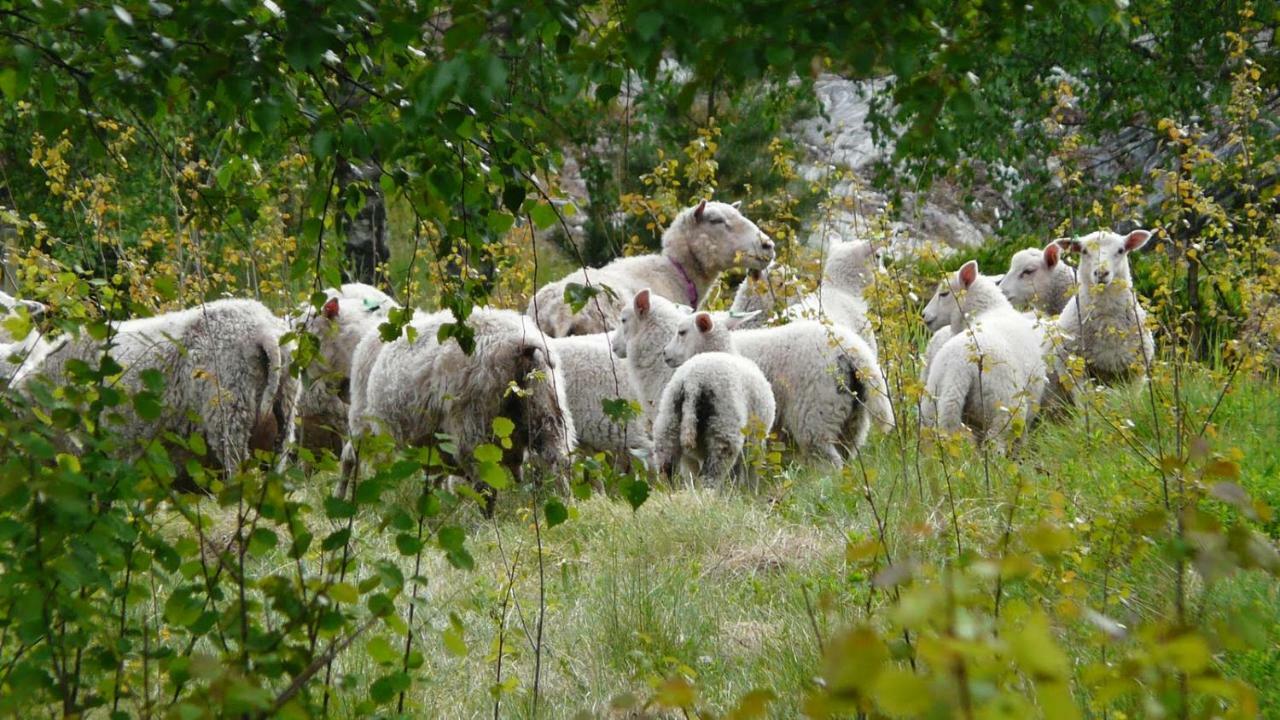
[(735, 589)]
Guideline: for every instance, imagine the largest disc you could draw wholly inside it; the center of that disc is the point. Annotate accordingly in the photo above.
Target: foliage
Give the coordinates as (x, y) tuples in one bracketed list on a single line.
[(156, 155)]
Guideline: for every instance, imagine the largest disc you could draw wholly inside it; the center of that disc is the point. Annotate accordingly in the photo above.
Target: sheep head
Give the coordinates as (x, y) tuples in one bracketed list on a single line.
[(697, 333), (1104, 255), (965, 293), (715, 236), (535, 403), (852, 265), (1031, 275), (647, 322)]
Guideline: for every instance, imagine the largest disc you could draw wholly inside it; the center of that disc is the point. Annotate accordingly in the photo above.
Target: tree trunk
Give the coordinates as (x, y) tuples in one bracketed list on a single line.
[(366, 233)]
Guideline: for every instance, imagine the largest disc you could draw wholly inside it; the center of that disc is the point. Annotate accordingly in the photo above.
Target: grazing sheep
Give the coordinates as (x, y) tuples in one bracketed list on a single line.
[(701, 242), (644, 328), (1104, 323), (764, 294), (416, 387), (347, 315), (592, 377), (226, 376), (992, 371), (850, 267), (1038, 280), (825, 379), (712, 402)]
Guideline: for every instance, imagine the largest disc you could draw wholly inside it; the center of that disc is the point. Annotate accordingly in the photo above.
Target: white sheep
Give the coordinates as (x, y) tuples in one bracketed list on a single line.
[(992, 370), (225, 373), (343, 320), (941, 322), (1105, 323), (416, 387), (644, 328), (825, 379), (592, 377), (712, 403), (849, 269), (1038, 280), (700, 243)]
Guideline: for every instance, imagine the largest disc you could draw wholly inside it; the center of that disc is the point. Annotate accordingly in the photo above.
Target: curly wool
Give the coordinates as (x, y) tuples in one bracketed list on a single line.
[(592, 376), (705, 240), (825, 379), (226, 376), (992, 370), (415, 389), (344, 319), (707, 411)]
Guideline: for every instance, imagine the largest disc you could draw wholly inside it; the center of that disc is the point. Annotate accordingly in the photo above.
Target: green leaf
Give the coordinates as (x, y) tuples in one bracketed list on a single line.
[(578, 295), (379, 648), (262, 540), (636, 491), (487, 452), (387, 687), (556, 512), (502, 427), (408, 544), (182, 608), (901, 693), (648, 24), (148, 405), (495, 476), (344, 593), (543, 215)]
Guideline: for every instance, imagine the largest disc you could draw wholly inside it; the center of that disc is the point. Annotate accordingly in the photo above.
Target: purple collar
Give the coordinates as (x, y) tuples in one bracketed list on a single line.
[(690, 289)]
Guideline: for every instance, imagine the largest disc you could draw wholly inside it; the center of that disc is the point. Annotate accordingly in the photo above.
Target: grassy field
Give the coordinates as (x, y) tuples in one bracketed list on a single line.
[(739, 589)]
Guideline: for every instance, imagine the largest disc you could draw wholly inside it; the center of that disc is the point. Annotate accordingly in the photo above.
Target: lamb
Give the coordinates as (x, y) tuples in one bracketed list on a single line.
[(700, 243), (591, 377), (940, 324), (709, 407), (417, 386), (644, 328), (343, 320), (825, 379), (225, 370), (850, 267), (1104, 323), (1038, 280), (992, 371)]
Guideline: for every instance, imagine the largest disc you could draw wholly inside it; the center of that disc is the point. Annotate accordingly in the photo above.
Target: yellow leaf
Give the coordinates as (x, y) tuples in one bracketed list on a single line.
[(902, 693)]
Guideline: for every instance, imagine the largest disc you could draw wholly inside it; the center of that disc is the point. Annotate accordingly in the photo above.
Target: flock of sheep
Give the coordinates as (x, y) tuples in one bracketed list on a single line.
[(707, 383)]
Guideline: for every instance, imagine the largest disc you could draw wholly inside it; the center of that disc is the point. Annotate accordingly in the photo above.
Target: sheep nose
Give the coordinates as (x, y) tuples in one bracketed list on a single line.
[(1102, 275), (767, 244)]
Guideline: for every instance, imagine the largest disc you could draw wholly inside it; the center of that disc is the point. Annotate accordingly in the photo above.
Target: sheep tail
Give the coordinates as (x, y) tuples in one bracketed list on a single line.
[(687, 406), (274, 362), (869, 389)]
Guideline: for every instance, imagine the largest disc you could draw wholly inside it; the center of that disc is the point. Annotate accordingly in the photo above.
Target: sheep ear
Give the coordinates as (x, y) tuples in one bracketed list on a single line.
[(697, 212), (642, 301), (1070, 244), (969, 273), (1136, 239), (330, 308), (738, 319), (1052, 253), (737, 204), (703, 321)]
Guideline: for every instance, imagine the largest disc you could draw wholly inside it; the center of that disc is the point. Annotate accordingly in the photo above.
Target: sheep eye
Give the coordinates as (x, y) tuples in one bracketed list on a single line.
[(1028, 272), (682, 333), (716, 221), (944, 293)]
